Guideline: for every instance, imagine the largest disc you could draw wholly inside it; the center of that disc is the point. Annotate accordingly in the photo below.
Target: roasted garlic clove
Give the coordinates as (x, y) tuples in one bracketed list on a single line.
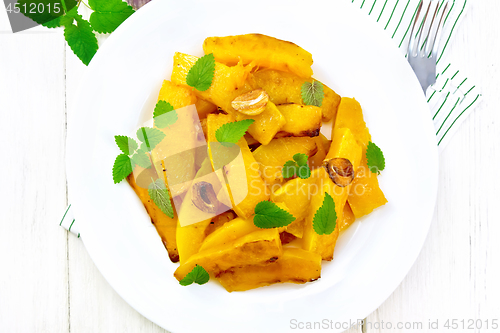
[(204, 197), (340, 170), (251, 103)]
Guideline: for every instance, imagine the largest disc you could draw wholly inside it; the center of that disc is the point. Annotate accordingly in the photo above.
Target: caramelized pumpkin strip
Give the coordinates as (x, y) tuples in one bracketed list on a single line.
[(296, 266), (229, 232), (273, 156), (301, 120), (256, 248), (265, 51), (365, 194), (343, 146), (227, 84), (284, 88), (251, 180), (266, 124), (166, 227)]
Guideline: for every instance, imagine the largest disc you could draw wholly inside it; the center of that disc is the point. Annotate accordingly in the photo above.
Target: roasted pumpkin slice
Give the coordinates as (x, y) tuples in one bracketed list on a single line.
[(256, 248), (273, 156), (301, 120), (176, 152), (166, 227), (348, 218), (284, 88), (229, 232), (227, 84), (264, 51), (295, 265), (344, 146), (365, 194), (266, 124), (238, 177)]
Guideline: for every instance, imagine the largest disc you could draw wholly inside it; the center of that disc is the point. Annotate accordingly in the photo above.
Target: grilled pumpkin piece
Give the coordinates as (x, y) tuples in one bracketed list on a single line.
[(256, 248), (295, 265), (365, 194), (165, 226), (301, 120), (343, 146), (284, 88), (253, 182), (229, 232), (264, 51), (273, 156), (227, 84)]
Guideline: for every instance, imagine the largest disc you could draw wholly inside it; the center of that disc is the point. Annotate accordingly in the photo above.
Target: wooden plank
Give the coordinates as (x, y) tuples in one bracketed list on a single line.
[(33, 251), (95, 306), (456, 275)]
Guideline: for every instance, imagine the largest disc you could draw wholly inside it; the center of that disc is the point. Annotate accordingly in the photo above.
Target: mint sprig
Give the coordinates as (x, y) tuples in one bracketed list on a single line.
[(122, 168), (325, 219), (164, 114), (312, 93), (150, 137), (269, 215), (197, 275), (297, 167), (108, 14), (230, 133), (375, 158), (126, 144), (158, 192), (200, 76)]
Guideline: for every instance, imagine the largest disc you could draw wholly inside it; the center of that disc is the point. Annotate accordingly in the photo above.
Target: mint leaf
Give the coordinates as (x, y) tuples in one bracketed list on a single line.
[(312, 93), (269, 215), (141, 159), (81, 38), (151, 137), (230, 133), (159, 194), (44, 11), (127, 145), (197, 275), (375, 158), (297, 167), (121, 168), (164, 114), (289, 169), (108, 14), (325, 219), (200, 76)]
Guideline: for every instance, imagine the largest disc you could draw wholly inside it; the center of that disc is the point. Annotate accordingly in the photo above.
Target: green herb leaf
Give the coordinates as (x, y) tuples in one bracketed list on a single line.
[(200, 76), (159, 194), (297, 167), (164, 114), (289, 169), (197, 275), (312, 93), (325, 219), (230, 133), (127, 145), (375, 158), (81, 38), (141, 159), (108, 14), (151, 137), (121, 168), (44, 11), (269, 215)]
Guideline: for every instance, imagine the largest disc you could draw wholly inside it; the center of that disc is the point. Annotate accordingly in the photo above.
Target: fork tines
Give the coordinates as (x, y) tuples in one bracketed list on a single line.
[(425, 32)]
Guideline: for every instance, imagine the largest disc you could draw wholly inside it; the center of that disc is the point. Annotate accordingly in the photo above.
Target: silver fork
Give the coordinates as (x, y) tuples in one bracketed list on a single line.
[(422, 51)]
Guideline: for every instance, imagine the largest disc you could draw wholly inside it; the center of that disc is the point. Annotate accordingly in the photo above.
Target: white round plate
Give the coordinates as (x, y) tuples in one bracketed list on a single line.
[(352, 56)]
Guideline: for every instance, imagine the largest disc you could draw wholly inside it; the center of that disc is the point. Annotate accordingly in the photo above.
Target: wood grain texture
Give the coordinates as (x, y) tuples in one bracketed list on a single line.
[(33, 249), (48, 283)]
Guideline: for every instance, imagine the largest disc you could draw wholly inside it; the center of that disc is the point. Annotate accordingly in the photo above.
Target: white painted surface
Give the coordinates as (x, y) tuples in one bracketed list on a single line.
[(49, 284)]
